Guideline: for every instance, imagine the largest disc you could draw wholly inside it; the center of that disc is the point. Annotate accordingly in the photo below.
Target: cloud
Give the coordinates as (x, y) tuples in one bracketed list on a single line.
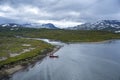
[(61, 23), (22, 12), (65, 12)]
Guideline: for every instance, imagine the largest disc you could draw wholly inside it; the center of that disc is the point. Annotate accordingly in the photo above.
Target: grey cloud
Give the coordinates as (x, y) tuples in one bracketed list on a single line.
[(57, 10)]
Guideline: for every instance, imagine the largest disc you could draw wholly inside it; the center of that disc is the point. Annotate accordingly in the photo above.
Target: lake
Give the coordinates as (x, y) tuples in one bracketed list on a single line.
[(78, 61)]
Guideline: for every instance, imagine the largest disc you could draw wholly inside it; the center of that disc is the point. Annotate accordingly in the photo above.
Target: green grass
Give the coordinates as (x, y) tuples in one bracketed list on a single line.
[(63, 35), (13, 45), (69, 35), (10, 44)]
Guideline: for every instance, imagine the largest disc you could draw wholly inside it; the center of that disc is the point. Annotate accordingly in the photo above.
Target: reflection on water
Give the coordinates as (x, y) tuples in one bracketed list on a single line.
[(81, 61)]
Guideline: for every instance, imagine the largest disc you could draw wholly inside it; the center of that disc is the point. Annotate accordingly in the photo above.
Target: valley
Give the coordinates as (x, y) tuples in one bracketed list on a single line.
[(59, 40), (18, 51)]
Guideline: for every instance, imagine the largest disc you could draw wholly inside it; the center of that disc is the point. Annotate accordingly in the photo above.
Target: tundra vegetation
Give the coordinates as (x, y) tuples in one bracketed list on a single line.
[(14, 49)]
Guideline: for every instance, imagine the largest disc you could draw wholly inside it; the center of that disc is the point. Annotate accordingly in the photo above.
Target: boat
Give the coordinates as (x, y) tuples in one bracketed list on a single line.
[(53, 56)]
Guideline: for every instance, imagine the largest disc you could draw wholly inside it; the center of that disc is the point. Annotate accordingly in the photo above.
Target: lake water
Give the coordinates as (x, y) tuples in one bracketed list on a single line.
[(79, 61)]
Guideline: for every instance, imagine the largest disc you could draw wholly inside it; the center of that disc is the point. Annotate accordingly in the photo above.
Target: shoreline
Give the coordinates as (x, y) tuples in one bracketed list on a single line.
[(6, 73), (90, 42)]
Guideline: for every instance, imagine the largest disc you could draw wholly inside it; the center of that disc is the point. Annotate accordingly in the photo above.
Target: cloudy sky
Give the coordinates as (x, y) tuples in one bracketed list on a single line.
[(59, 12)]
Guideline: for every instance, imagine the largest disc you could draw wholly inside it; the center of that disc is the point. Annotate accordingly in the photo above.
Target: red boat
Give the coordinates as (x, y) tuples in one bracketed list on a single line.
[(53, 56)]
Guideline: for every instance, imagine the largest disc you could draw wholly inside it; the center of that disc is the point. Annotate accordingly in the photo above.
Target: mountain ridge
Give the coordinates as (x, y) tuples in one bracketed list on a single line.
[(104, 25), (29, 25)]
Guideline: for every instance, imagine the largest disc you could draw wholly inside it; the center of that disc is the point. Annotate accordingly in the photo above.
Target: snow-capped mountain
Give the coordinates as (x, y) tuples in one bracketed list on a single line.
[(30, 25), (49, 26), (106, 25), (10, 25), (37, 25)]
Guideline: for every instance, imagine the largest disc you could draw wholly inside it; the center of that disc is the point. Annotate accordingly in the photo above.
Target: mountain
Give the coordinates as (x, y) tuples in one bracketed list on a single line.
[(10, 26), (105, 25), (13, 26), (49, 26), (37, 25)]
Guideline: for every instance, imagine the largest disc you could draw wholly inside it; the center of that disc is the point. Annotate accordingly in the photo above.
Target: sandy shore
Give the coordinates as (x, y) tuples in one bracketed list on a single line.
[(14, 69)]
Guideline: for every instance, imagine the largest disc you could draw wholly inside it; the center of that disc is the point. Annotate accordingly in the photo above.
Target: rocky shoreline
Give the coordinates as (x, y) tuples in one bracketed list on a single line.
[(6, 72)]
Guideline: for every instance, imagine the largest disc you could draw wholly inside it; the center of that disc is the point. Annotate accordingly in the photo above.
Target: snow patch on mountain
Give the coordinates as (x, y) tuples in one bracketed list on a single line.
[(29, 25), (106, 25)]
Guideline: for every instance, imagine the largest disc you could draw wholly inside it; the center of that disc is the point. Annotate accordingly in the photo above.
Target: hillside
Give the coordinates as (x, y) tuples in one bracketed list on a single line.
[(103, 25)]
